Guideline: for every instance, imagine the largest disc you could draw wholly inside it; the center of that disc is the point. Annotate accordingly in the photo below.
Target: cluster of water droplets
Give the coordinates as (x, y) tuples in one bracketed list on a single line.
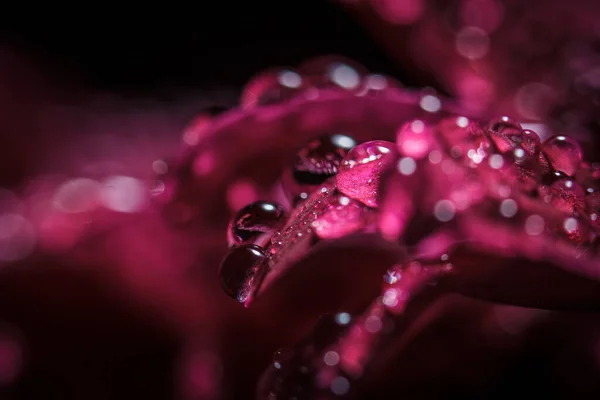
[(440, 169), (335, 185), (335, 188), (330, 362)]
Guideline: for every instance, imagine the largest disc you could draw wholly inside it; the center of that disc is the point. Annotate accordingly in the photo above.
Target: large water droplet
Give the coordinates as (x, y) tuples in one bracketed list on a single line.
[(319, 160), (316, 162), (241, 270), (504, 126), (564, 153), (566, 195), (505, 133), (530, 141), (254, 221), (360, 171)]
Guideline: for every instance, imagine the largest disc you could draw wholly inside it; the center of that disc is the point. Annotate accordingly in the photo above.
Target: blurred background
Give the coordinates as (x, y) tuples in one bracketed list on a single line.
[(98, 303)]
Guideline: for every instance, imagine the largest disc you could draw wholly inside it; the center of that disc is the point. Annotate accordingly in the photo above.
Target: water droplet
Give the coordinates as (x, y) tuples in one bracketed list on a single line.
[(344, 76), (564, 153), (505, 133), (240, 271), (253, 221), (333, 71), (277, 239), (414, 139), (316, 162), (320, 158), (530, 141), (360, 171), (567, 195), (270, 87)]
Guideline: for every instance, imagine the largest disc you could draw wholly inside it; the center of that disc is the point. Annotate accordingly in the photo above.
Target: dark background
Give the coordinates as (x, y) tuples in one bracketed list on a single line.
[(209, 44)]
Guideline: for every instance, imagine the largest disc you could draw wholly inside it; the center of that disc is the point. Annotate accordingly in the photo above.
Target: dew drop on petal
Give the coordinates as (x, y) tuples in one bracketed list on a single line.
[(240, 270), (564, 153), (360, 171), (344, 76), (270, 87), (333, 72), (316, 162), (567, 195), (505, 133), (530, 141), (253, 221), (320, 158)]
